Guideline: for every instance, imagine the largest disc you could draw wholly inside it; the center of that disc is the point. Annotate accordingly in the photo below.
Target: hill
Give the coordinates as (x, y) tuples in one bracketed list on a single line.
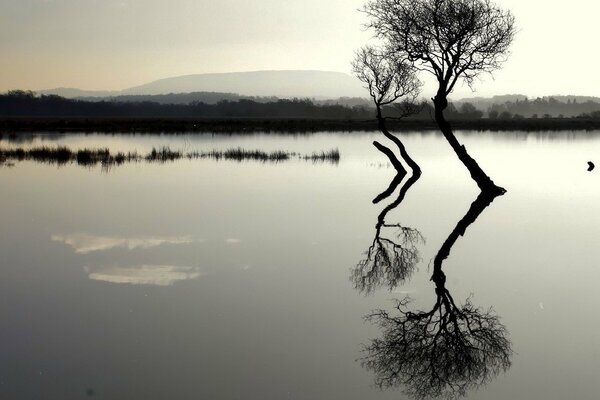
[(283, 84), (286, 84)]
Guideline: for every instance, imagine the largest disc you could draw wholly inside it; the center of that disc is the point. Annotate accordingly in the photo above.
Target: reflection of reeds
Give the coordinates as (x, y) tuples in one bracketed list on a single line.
[(163, 154), (89, 157), (240, 154), (331, 156), (63, 155)]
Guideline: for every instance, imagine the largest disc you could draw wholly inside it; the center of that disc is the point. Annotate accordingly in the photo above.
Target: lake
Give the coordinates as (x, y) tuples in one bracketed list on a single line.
[(206, 279)]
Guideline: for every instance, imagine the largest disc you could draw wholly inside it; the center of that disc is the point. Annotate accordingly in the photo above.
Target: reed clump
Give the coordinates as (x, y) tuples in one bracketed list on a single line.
[(331, 156), (90, 157)]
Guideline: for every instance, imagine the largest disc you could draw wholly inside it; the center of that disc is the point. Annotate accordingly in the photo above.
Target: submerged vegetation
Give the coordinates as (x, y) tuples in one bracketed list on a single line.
[(91, 157)]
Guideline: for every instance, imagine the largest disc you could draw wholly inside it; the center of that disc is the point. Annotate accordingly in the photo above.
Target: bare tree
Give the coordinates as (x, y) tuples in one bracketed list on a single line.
[(451, 39), (391, 81)]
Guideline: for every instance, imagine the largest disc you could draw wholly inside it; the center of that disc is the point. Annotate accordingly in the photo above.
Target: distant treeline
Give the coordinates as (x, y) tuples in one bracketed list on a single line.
[(27, 104), (175, 98), (548, 107), (24, 110), (212, 98)]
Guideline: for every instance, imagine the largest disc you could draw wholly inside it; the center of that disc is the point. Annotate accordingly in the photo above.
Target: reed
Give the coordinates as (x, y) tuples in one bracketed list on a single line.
[(90, 157)]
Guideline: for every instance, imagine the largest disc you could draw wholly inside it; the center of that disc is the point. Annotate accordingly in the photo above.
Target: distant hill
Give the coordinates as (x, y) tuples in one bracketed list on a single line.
[(283, 84), (286, 84)]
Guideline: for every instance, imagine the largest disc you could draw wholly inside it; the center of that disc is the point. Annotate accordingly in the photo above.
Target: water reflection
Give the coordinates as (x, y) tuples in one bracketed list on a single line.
[(83, 243), (157, 275), (138, 274), (389, 261), (443, 352)]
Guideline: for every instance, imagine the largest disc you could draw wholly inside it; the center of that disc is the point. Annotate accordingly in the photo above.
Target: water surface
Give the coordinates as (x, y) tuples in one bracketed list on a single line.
[(226, 280)]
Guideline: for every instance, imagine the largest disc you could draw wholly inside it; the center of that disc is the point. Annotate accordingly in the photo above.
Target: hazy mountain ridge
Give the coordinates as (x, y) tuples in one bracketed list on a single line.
[(301, 83), (284, 84)]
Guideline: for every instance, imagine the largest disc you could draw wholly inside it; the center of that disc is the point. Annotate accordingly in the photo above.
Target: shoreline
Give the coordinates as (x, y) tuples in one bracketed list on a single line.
[(10, 126)]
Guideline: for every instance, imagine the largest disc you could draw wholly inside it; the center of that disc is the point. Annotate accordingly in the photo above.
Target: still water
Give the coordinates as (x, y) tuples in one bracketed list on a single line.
[(203, 279)]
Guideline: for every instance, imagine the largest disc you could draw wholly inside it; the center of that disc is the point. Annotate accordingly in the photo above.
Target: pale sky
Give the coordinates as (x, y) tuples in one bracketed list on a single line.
[(115, 44)]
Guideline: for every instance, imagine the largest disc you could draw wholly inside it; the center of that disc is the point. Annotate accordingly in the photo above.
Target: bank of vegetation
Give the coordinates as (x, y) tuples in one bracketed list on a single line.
[(25, 111)]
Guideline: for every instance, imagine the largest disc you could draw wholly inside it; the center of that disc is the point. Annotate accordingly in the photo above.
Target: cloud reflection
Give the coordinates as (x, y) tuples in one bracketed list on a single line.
[(84, 243), (157, 275)]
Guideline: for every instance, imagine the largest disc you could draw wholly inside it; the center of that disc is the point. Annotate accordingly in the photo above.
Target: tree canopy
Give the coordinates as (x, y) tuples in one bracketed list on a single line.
[(451, 39), (386, 74)]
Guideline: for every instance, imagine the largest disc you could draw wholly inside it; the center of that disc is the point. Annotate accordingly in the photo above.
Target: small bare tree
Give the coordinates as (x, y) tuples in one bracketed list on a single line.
[(451, 39), (391, 82)]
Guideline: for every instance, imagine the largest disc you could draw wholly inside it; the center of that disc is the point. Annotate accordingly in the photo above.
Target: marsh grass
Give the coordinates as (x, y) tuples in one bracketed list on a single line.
[(89, 157), (63, 155), (163, 154), (240, 154), (324, 156)]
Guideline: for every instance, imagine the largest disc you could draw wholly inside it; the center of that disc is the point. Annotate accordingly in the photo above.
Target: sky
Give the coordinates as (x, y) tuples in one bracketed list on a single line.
[(116, 44)]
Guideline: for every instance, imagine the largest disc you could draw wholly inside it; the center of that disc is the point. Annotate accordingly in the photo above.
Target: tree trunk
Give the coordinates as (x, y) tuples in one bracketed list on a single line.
[(390, 154), (411, 163), (484, 182)]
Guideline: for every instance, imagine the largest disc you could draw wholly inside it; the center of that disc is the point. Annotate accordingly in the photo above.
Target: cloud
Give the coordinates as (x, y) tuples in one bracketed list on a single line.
[(84, 243), (157, 275)]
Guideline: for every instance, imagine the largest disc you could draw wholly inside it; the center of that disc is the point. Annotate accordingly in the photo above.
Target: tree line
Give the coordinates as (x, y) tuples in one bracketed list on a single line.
[(549, 107), (19, 103), (26, 104)]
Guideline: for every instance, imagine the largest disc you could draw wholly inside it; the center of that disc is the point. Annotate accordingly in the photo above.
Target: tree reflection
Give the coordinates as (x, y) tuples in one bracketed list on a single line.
[(446, 351), (389, 262)]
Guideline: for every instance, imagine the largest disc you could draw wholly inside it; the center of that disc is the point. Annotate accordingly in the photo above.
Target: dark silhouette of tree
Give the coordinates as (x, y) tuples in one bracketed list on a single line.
[(26, 104), (468, 111), (446, 351), (493, 114), (389, 78), (389, 261), (451, 39)]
